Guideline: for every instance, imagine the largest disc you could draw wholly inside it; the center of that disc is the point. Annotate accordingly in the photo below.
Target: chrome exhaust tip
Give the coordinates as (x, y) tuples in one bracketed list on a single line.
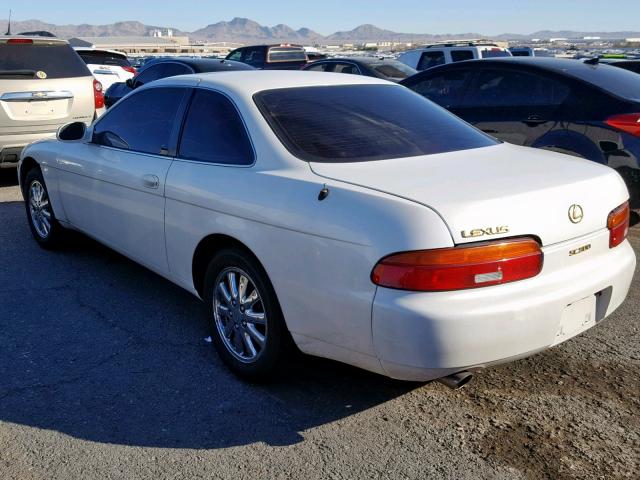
[(457, 380)]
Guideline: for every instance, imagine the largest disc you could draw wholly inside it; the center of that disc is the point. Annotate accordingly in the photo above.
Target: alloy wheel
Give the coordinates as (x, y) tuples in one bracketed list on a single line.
[(239, 315), (40, 209)]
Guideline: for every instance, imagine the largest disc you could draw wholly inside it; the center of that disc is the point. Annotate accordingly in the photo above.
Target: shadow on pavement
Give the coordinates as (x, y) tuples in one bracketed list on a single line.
[(8, 177), (96, 347)]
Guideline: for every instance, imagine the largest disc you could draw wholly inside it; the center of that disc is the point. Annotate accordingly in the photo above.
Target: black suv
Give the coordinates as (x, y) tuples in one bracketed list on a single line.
[(271, 57)]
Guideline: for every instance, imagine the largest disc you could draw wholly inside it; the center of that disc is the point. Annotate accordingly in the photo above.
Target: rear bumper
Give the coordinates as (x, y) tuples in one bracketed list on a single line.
[(11, 145), (423, 336)]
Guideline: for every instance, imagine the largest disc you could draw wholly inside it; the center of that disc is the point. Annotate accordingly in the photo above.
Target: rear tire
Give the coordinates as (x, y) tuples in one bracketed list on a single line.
[(46, 230), (247, 326)]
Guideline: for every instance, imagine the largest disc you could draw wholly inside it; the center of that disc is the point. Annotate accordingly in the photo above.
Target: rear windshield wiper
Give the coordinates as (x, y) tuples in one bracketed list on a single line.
[(17, 73)]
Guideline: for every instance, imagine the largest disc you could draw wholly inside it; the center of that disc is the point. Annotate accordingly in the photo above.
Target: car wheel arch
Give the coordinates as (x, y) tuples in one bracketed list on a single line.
[(207, 248), (26, 166)]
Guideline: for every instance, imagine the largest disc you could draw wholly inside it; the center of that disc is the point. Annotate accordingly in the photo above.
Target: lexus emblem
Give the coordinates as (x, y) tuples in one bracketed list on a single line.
[(576, 214)]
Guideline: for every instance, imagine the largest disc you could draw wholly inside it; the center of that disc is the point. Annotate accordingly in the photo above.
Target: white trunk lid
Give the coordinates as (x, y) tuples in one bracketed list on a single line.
[(503, 191)]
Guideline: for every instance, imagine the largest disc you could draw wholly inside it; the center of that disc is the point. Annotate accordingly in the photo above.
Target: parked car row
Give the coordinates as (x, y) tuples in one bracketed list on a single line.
[(342, 215)]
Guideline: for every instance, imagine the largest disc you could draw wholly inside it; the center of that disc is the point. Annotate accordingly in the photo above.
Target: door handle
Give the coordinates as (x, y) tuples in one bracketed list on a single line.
[(534, 120), (150, 181)]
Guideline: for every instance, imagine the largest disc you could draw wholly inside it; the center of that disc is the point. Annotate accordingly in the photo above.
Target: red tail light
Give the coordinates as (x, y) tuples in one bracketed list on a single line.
[(628, 123), (129, 69), (98, 94), (459, 268), (618, 224), (13, 41)]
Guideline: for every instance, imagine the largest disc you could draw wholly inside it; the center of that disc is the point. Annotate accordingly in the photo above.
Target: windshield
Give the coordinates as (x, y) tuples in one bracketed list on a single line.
[(104, 58), (393, 70), (40, 61), (495, 52), (342, 124), (287, 54)]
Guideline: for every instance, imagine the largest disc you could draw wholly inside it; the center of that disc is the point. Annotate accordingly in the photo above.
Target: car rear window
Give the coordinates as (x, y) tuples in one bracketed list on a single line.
[(104, 58), (286, 54), (55, 60), (495, 53), (335, 124), (622, 83)]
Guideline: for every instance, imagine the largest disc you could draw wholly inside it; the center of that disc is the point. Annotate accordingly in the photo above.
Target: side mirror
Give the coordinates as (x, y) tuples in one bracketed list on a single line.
[(130, 83), (72, 132)]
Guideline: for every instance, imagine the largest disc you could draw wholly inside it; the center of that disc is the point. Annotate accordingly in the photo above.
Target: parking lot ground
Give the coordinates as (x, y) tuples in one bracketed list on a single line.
[(105, 374)]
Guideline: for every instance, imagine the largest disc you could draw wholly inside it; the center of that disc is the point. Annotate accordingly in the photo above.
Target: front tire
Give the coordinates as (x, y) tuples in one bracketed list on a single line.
[(45, 228), (247, 326)]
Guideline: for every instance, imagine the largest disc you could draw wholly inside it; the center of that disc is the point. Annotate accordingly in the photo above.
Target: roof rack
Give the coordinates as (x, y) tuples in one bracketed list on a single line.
[(470, 42)]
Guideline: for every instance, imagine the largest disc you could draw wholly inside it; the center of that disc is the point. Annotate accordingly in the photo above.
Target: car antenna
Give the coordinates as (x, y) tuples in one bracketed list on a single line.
[(324, 193), (9, 24), (593, 61)]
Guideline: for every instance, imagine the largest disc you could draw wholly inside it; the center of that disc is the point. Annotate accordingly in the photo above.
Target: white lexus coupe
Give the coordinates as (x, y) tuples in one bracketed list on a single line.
[(344, 215)]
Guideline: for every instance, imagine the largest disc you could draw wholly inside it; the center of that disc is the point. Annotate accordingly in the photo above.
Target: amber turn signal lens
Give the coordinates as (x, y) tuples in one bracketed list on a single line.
[(457, 268), (618, 225)]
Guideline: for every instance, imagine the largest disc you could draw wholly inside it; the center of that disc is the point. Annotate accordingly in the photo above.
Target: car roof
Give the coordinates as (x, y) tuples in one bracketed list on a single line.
[(90, 49), (249, 83), (36, 39), (270, 45), (365, 60), (202, 65)]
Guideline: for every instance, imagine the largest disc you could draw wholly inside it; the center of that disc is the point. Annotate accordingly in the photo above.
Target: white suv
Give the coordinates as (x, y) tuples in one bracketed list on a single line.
[(441, 53), (44, 84), (108, 66)]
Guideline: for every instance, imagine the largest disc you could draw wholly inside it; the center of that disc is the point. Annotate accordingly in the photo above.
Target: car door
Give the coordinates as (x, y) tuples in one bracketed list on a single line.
[(113, 187), (209, 178), (514, 105)]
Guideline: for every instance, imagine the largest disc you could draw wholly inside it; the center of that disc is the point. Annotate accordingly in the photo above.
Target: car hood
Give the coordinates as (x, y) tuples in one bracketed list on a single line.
[(496, 192)]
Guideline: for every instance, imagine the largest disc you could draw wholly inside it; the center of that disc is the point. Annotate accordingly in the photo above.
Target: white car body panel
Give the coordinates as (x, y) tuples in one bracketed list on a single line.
[(319, 254)]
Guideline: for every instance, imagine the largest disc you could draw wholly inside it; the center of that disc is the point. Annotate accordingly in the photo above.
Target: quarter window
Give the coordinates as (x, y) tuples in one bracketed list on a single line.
[(213, 131), (142, 123)]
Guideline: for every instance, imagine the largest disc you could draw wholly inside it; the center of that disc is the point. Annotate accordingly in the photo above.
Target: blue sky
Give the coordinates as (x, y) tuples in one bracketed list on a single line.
[(328, 16)]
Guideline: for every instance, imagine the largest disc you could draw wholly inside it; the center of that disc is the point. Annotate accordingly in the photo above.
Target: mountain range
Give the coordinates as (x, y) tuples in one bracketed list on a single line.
[(243, 30)]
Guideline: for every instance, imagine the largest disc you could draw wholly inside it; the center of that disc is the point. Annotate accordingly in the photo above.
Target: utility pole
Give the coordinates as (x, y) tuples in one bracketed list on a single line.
[(9, 24)]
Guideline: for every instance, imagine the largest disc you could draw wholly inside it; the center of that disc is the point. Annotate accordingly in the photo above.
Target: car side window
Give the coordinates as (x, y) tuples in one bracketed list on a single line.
[(461, 55), (255, 57), (213, 131), (149, 75), (515, 88), (431, 59), (141, 123), (346, 68), (173, 69), (445, 89), (318, 67), (235, 55)]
